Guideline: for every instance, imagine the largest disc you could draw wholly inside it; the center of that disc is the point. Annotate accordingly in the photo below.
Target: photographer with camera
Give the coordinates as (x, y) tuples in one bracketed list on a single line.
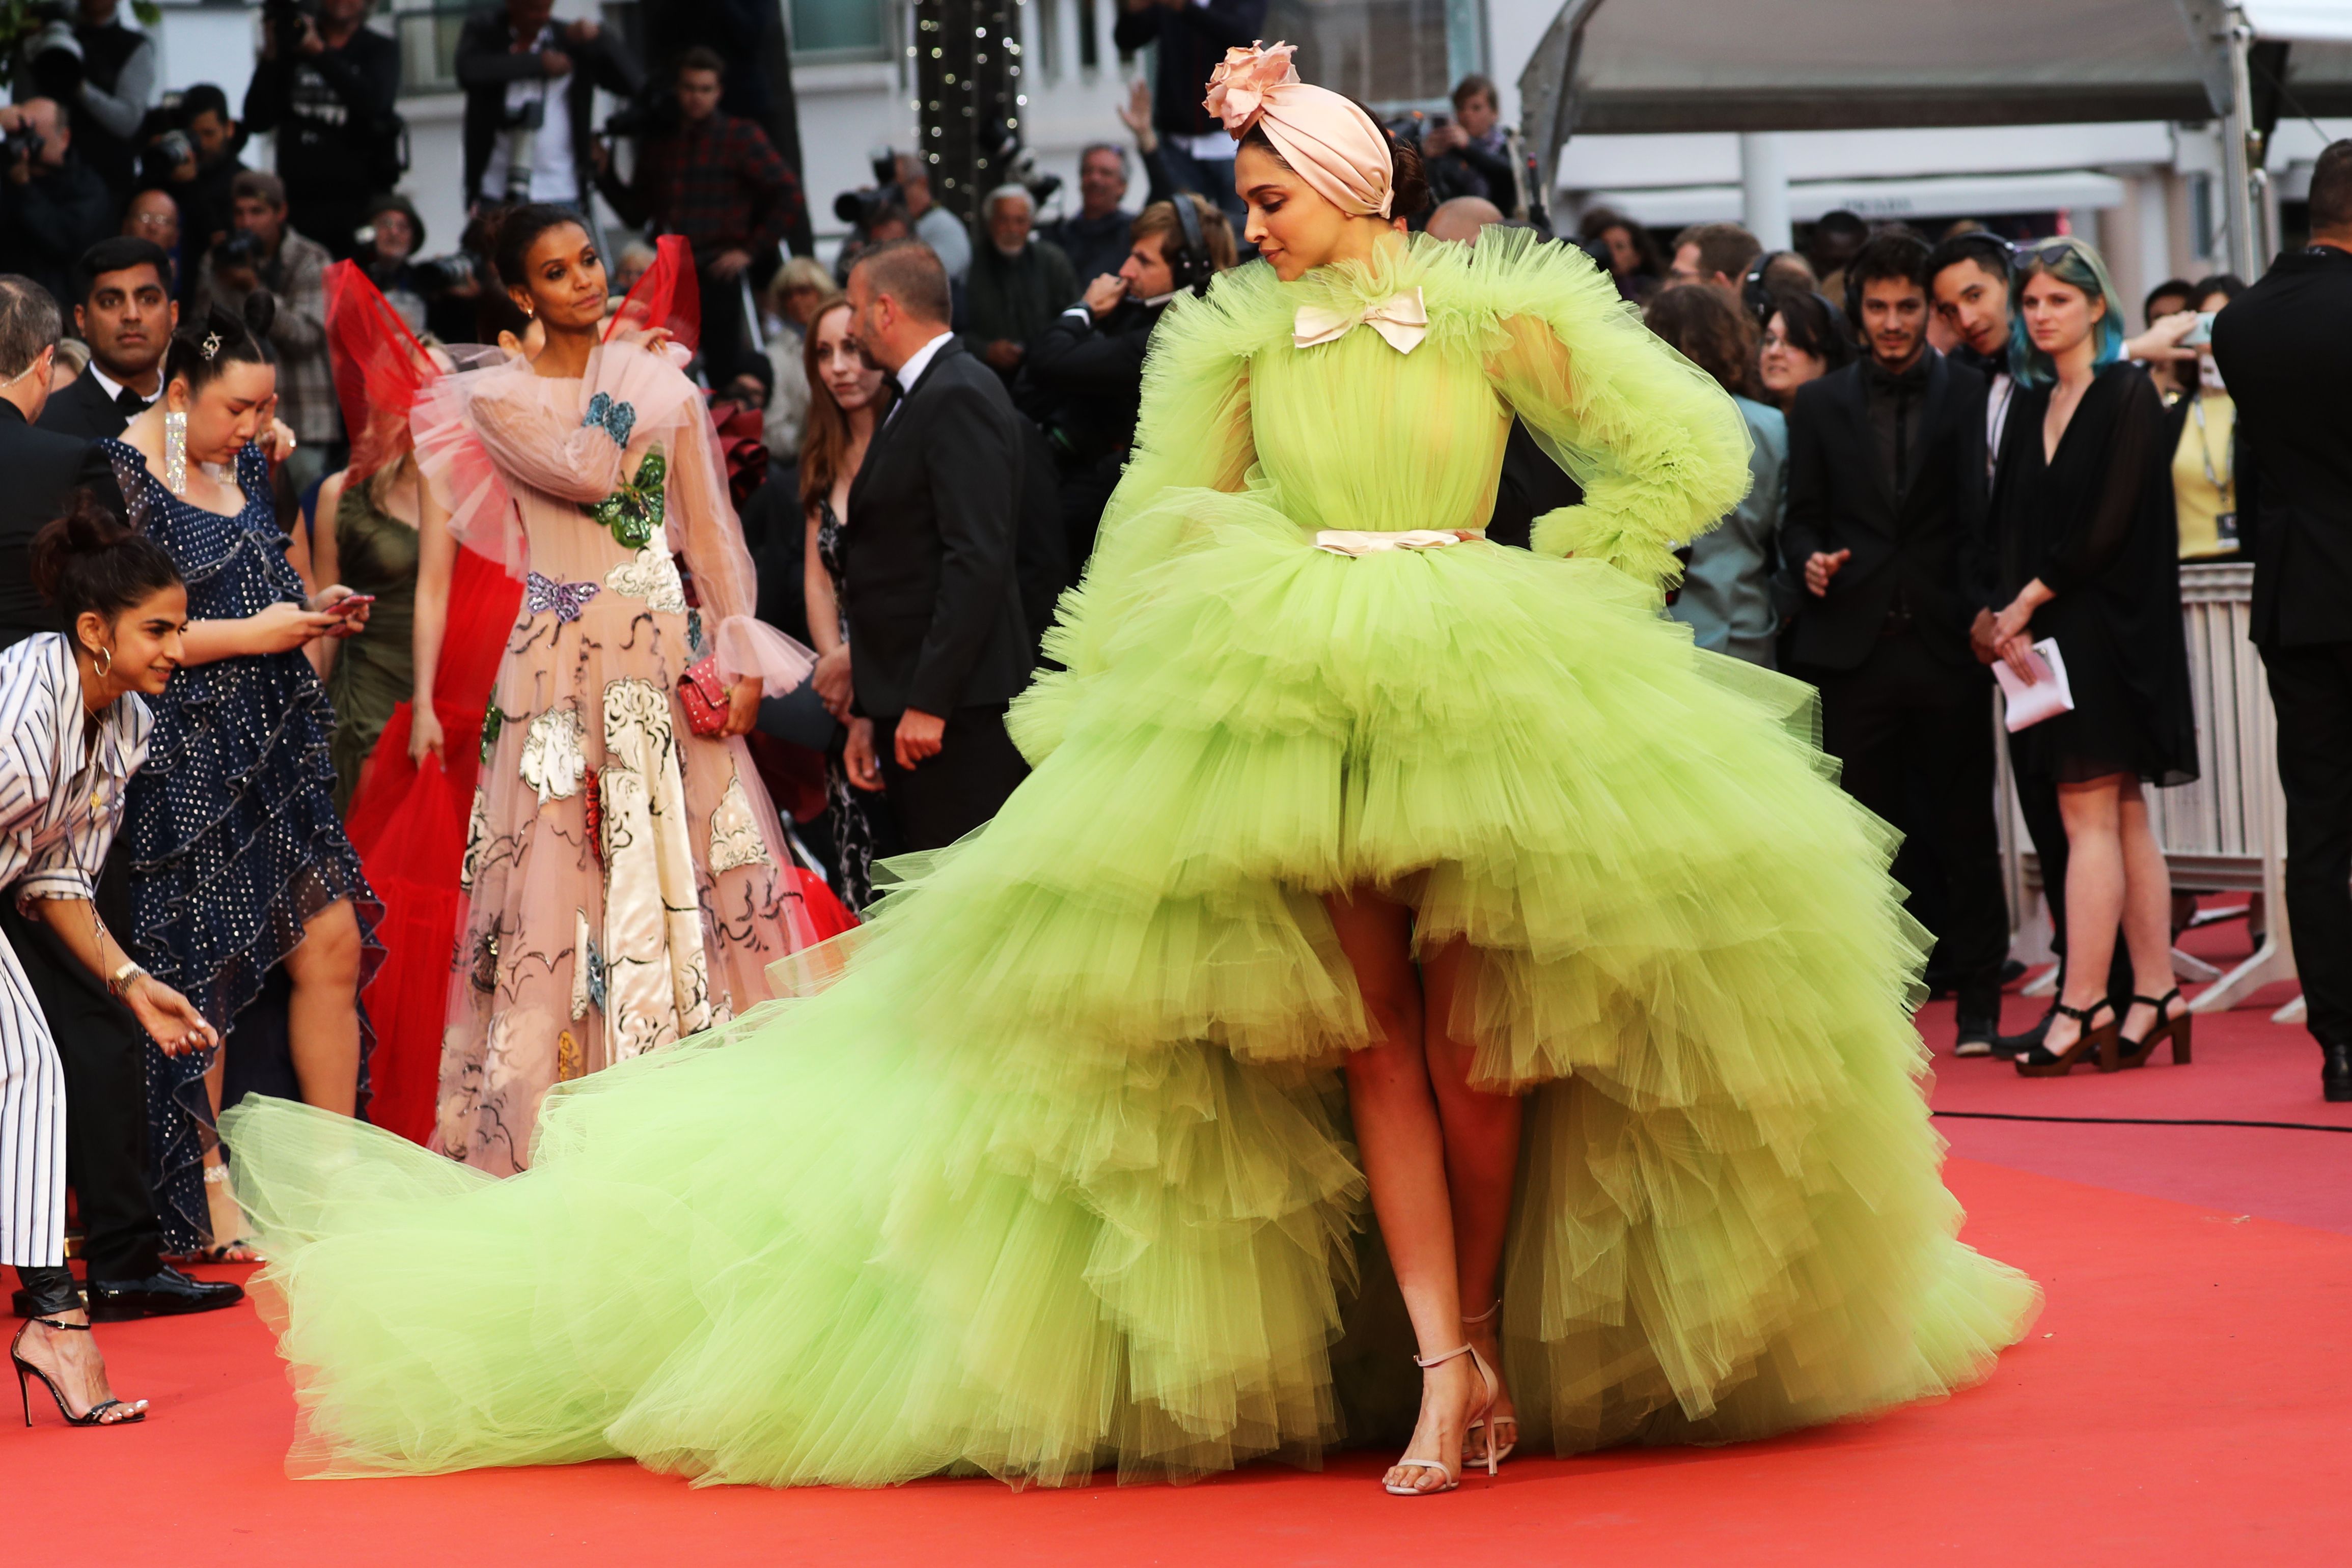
[(326, 84), (715, 180), (195, 160), (53, 206), (101, 73), (530, 90), (262, 255), (1084, 370), (1468, 155)]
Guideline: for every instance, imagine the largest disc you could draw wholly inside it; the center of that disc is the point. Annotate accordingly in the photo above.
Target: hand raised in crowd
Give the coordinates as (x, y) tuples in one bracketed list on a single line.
[(1136, 113), (1821, 569), (347, 623), (831, 682), (1004, 353), (1446, 138), (921, 734), (278, 442), (555, 62), (424, 735), (2160, 344), (857, 758), (171, 1020)]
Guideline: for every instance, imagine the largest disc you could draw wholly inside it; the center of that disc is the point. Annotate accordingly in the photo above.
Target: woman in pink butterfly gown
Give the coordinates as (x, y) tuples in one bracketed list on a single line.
[(627, 879)]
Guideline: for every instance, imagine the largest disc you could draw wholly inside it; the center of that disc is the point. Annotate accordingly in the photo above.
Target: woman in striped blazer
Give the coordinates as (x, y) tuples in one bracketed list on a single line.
[(72, 731)]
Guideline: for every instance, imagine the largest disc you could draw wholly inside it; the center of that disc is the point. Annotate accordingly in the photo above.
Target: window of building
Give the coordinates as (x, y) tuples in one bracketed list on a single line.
[(839, 29)]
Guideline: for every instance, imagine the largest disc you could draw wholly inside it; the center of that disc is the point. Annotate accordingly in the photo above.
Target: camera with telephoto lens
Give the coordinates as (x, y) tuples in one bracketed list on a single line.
[(437, 276), (52, 55)]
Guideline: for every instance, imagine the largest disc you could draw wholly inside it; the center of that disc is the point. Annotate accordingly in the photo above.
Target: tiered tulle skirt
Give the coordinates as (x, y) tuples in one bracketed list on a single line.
[(1047, 1167)]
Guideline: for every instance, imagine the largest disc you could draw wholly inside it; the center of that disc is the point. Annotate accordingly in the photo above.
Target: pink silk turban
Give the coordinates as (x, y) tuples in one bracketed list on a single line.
[(1332, 144)]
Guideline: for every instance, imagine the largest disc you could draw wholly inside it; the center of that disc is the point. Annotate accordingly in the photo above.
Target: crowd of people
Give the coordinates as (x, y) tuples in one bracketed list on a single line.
[(606, 609)]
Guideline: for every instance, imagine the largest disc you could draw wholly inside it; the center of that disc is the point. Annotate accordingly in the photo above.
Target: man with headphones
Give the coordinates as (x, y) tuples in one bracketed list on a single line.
[(1083, 378)]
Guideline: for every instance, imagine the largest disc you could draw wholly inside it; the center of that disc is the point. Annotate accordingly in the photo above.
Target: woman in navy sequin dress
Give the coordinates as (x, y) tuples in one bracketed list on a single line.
[(239, 861)]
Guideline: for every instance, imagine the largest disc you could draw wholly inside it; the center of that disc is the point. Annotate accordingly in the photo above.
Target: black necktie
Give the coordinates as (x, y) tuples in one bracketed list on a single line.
[(131, 405)]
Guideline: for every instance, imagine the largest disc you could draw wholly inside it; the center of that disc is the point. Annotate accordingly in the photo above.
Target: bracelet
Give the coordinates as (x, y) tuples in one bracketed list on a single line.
[(121, 980)]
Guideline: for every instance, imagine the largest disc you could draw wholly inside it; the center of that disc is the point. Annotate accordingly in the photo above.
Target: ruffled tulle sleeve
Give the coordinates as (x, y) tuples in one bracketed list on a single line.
[(1658, 445), (482, 433), (703, 528), (1193, 429)]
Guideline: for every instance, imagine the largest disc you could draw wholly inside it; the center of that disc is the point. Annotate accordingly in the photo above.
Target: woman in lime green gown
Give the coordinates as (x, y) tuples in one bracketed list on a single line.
[(1048, 1167)]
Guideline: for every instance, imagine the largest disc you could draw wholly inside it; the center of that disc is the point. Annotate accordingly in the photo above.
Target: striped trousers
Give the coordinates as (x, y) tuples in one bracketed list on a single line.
[(32, 1127)]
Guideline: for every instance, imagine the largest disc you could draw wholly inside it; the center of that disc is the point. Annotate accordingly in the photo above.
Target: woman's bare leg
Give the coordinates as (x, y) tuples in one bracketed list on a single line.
[(2094, 898), (1482, 1159), (1403, 1149), (2148, 907), (225, 1220), (72, 1361), (323, 1016)]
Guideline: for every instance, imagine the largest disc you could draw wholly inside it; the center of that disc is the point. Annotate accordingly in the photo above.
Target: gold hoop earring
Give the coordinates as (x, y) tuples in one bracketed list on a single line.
[(104, 660)]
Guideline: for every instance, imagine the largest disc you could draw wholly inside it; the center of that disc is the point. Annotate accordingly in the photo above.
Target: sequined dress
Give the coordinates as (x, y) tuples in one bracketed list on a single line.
[(232, 830), (854, 811), (627, 879)]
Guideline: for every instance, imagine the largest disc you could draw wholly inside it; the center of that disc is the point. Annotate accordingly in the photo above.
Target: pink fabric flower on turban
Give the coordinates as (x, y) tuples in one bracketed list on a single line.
[(1238, 87)]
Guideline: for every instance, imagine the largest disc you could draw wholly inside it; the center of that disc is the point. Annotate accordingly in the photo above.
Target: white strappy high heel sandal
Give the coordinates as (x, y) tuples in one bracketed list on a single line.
[(1493, 1425), (1452, 1476)]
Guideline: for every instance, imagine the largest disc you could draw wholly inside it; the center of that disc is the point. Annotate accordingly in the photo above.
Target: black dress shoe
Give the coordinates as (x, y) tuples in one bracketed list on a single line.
[(166, 1293), (1978, 1036), (2336, 1071)]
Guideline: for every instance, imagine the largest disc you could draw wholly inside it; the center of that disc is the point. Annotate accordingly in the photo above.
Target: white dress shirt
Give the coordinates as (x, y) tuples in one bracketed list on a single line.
[(908, 373), (114, 389)]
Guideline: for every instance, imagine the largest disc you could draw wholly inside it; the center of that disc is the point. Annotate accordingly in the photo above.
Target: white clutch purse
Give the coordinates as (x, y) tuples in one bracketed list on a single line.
[(2046, 698)]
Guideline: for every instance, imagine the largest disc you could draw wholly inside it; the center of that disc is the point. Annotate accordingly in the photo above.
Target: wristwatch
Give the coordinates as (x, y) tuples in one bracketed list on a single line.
[(119, 981)]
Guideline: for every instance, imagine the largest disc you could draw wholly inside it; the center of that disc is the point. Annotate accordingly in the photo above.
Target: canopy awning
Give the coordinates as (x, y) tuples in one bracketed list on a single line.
[(1932, 196), (1650, 65)]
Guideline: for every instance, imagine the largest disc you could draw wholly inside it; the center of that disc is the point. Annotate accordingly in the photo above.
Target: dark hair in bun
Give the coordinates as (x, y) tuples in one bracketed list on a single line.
[(201, 350), (1407, 185), (87, 561)]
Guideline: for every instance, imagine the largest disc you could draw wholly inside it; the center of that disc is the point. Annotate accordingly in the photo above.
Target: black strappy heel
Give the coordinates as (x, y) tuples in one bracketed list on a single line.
[(2134, 1052), (2040, 1061), (93, 1416)]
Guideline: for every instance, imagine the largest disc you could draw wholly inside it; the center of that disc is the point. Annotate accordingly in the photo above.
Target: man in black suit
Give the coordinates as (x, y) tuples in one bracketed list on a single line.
[(1887, 515), (2281, 346), (934, 603), (124, 311), (97, 1041)]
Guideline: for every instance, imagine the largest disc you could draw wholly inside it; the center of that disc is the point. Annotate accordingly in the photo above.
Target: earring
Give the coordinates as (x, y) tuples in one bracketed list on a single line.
[(104, 660), (175, 453)]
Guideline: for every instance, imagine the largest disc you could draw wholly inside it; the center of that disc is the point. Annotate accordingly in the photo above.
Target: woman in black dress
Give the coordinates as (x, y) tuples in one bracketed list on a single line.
[(2083, 536)]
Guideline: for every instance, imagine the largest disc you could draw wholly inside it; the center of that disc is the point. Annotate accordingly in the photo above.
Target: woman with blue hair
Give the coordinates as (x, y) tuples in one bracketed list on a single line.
[(2083, 539)]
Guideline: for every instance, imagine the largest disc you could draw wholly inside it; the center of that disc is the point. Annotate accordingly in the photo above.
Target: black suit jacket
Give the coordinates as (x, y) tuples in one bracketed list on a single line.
[(931, 547), (2282, 346), (43, 468), (1928, 543), (84, 411)]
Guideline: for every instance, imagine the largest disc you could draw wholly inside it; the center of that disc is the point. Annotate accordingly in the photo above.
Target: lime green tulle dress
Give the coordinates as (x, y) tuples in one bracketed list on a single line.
[(1046, 1169)]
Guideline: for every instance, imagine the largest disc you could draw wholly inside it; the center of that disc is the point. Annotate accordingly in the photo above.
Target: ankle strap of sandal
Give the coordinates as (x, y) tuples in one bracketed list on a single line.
[(2159, 1003), (2084, 1015), (1426, 1363), (55, 1324)]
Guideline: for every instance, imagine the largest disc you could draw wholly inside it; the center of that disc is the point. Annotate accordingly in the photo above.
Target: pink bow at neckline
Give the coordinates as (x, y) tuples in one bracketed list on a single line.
[(1401, 318)]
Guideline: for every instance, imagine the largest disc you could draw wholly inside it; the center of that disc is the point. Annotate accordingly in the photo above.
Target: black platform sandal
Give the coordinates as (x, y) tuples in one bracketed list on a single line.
[(93, 1416), (2169, 1026), (2038, 1061)]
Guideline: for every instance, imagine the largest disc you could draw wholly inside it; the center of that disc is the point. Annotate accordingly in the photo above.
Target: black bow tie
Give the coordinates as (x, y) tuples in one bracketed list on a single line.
[(130, 403)]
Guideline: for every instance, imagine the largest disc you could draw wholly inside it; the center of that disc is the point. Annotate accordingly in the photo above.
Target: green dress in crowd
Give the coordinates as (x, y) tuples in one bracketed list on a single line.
[(1045, 1168), (374, 672)]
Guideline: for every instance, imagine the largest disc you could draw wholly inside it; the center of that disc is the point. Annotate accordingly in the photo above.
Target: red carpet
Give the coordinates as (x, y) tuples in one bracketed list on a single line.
[(2182, 1401)]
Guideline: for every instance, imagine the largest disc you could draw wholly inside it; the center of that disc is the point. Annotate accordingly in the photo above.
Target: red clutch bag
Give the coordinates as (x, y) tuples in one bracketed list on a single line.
[(704, 696)]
